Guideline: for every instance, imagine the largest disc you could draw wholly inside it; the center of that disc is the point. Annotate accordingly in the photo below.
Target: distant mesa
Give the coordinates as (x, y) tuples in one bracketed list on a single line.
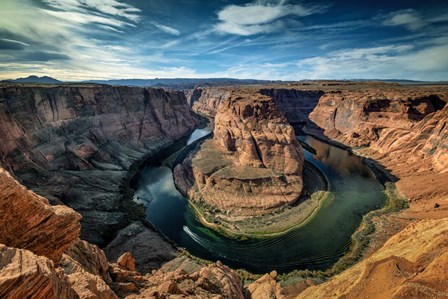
[(34, 79)]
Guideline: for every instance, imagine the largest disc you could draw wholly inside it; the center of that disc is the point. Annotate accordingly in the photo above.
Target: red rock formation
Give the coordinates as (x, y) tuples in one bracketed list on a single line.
[(26, 275), (27, 221), (43, 232), (181, 278), (406, 131), (254, 163)]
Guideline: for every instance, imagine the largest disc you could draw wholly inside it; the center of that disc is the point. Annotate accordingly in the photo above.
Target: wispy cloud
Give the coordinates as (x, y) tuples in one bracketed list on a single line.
[(259, 17), (408, 18), (104, 7), (265, 39), (15, 42), (167, 29), (393, 61)]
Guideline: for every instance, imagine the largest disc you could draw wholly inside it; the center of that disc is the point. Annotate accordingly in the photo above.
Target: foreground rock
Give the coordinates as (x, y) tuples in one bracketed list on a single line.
[(182, 278), (78, 269), (252, 165), (411, 264), (27, 221), (43, 257), (26, 275)]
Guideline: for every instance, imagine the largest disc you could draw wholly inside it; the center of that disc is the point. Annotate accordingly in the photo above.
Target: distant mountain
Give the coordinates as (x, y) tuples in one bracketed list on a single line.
[(35, 79), (181, 83), (401, 81)]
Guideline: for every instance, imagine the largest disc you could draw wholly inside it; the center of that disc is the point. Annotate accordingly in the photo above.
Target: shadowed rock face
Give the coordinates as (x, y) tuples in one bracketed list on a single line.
[(296, 105), (206, 101), (75, 144), (252, 165)]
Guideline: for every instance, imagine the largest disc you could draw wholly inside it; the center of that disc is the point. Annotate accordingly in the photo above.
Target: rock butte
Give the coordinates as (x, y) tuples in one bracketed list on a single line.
[(47, 143), (253, 164)]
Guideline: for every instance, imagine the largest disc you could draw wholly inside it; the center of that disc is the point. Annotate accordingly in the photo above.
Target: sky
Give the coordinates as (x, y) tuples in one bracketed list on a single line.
[(262, 39)]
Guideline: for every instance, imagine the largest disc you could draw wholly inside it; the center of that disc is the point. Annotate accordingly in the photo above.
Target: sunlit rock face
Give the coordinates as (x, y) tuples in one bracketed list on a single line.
[(410, 127), (252, 165)]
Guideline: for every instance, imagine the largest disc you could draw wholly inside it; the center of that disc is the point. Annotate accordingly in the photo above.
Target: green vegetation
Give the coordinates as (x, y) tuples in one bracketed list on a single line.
[(360, 241)]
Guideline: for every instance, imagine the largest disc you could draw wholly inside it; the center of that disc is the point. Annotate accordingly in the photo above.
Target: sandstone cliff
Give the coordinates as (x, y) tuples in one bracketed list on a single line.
[(206, 101), (26, 275), (252, 165), (75, 144), (27, 221), (295, 104), (40, 253), (406, 131)]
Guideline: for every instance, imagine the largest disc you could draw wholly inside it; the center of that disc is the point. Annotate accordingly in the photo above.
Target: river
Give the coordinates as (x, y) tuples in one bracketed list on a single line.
[(315, 246)]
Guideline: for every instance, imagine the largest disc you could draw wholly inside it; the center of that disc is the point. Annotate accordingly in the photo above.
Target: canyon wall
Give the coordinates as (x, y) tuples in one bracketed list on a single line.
[(75, 145), (252, 165), (406, 131), (295, 104), (205, 101)]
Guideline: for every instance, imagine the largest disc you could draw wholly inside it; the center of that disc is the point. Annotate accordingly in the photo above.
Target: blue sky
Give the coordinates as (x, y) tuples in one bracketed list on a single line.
[(261, 39)]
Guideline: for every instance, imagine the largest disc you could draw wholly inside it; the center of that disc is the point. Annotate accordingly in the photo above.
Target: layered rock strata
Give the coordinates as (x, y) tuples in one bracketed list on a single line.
[(43, 229), (252, 165), (405, 131), (206, 101), (75, 145), (295, 104)]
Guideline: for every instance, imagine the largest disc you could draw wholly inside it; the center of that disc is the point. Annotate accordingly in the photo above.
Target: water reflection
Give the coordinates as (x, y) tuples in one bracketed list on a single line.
[(337, 159)]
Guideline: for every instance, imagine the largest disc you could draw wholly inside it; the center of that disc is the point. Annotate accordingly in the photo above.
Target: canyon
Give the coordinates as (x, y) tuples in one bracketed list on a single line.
[(77, 146)]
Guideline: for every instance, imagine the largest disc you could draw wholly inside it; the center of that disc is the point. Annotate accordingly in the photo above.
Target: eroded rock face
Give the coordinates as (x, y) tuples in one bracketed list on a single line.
[(406, 131), (207, 100), (181, 278), (252, 165), (27, 221), (75, 144), (49, 261), (26, 275)]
